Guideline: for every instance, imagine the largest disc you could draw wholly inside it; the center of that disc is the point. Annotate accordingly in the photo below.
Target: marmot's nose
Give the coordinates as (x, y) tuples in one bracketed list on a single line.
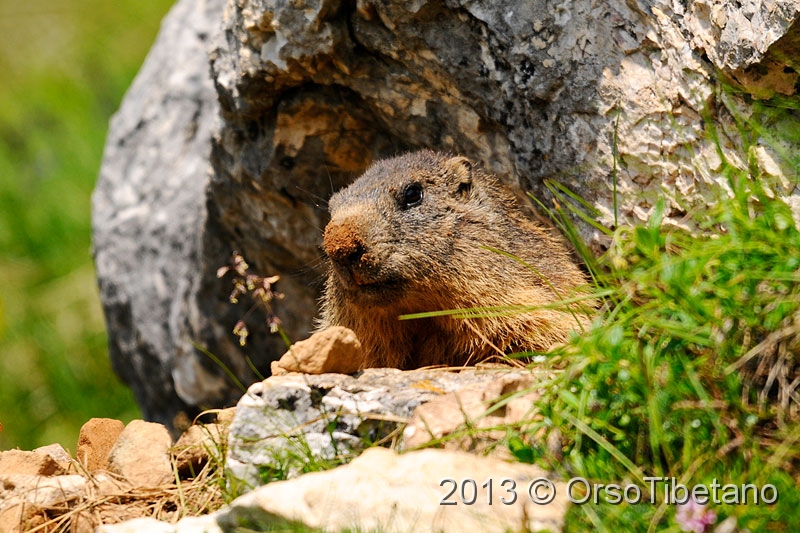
[(343, 243)]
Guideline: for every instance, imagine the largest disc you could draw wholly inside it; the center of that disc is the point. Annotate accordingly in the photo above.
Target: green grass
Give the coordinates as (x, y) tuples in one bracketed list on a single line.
[(682, 374), (65, 69)]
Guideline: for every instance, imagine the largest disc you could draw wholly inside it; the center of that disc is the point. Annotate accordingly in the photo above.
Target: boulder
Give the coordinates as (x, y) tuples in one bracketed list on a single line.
[(384, 491), (148, 210), (609, 99)]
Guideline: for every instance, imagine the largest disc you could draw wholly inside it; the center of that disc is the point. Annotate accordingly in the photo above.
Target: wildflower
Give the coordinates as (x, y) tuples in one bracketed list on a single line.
[(274, 323), (260, 290), (695, 518), (239, 264), (241, 331)]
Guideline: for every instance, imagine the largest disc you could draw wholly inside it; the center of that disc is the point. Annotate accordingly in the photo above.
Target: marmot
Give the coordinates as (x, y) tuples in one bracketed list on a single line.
[(412, 235)]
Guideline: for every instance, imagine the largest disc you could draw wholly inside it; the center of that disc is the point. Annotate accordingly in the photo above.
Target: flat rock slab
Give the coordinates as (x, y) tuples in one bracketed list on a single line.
[(384, 491), (285, 422)]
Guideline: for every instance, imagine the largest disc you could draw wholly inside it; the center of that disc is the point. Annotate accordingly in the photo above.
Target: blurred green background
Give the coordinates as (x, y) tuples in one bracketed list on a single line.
[(65, 67)]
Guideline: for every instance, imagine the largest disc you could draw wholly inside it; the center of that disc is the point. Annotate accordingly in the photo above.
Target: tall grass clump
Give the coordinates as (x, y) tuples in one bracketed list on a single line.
[(692, 370)]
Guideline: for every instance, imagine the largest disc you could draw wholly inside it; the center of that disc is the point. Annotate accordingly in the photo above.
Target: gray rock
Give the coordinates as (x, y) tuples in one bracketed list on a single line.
[(738, 35), (285, 423), (148, 211), (595, 96)]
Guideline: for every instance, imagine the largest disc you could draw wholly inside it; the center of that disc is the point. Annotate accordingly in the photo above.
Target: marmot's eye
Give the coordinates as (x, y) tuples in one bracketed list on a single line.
[(412, 196)]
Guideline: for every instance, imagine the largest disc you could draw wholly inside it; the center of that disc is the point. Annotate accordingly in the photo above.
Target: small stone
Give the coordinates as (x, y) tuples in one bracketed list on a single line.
[(95, 441), (141, 455), (332, 350), (35, 463), (102, 485), (56, 451), (17, 515), (82, 522), (196, 446), (43, 491)]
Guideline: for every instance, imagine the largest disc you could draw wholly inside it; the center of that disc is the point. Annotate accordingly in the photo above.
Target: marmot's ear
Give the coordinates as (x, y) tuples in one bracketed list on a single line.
[(461, 168)]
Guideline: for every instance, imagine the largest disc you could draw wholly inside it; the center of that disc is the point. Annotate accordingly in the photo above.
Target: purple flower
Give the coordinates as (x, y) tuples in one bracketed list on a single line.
[(691, 516)]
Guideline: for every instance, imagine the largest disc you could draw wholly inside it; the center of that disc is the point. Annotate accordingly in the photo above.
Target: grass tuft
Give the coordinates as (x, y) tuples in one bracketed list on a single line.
[(692, 370)]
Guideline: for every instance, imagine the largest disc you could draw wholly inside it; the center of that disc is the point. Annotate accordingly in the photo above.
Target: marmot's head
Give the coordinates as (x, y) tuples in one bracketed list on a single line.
[(405, 225), (415, 233)]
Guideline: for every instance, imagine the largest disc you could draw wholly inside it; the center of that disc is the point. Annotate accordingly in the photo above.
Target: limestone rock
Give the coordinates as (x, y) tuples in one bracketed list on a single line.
[(736, 36), (602, 97), (41, 491), (332, 350), (286, 421), (505, 402), (383, 491), (141, 455), (390, 492), (148, 212), (95, 440), (36, 463), (56, 452)]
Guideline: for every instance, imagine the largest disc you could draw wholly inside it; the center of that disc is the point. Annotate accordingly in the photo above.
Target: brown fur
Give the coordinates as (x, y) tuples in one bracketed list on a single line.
[(388, 258)]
